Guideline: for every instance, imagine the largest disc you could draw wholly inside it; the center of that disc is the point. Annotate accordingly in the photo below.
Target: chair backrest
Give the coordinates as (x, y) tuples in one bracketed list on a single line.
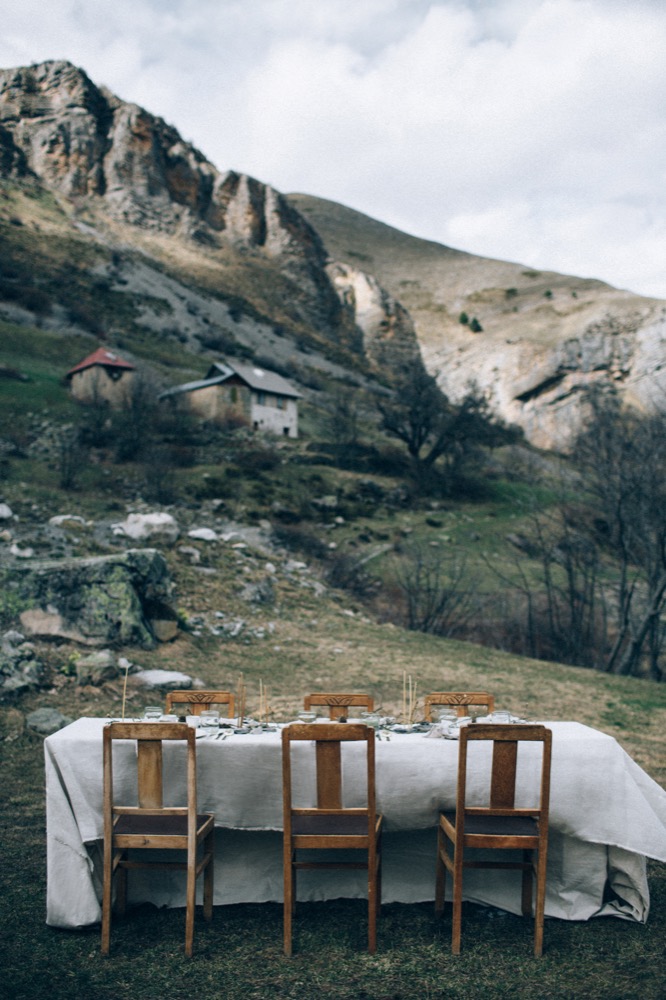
[(338, 704), (500, 791), (198, 701), (149, 758), (328, 738), (459, 700)]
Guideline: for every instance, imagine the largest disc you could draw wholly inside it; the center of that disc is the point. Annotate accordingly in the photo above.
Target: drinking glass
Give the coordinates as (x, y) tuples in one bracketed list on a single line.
[(152, 713), (209, 721), (373, 720), (444, 715)]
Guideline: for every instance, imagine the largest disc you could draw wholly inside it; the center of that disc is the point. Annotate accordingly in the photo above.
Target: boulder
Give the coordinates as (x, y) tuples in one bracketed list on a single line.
[(97, 601), (46, 721)]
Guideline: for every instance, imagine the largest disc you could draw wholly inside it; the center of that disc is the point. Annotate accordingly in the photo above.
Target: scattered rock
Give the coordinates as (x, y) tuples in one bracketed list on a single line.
[(260, 593), (20, 669), (170, 679), (203, 534), (26, 553), (97, 667), (5, 512), (67, 521), (190, 553), (139, 527)]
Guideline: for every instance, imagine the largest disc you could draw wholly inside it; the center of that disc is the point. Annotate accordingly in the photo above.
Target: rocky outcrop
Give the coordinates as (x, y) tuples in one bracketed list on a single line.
[(540, 338), (98, 601), (386, 327), (83, 141), (129, 167), (542, 387)]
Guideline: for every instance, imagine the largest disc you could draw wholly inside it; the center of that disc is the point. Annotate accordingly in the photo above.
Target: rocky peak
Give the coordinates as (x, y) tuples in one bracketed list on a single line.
[(83, 141), (126, 166)]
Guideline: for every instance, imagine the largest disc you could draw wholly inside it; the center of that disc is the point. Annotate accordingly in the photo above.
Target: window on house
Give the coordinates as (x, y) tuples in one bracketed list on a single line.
[(261, 398), (233, 394)]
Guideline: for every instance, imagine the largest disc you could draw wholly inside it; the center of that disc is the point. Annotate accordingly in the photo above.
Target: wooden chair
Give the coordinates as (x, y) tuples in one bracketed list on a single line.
[(499, 824), (460, 700), (339, 704), (198, 701), (150, 825), (328, 825)]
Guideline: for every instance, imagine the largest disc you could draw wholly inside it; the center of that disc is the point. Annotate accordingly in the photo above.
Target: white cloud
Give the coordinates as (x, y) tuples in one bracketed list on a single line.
[(528, 130)]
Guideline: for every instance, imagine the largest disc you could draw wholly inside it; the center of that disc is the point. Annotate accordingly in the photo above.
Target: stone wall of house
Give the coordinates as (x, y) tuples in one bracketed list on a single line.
[(101, 385), (269, 416)]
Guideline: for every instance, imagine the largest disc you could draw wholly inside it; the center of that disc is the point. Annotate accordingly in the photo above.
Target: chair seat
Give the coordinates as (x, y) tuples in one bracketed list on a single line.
[(129, 824), (334, 826), (499, 826)]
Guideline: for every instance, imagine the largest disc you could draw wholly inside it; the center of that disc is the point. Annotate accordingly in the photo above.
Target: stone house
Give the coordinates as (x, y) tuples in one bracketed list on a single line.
[(262, 398), (102, 377)]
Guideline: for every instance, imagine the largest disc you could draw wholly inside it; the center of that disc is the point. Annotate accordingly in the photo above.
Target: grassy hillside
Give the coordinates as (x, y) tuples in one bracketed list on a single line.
[(311, 642)]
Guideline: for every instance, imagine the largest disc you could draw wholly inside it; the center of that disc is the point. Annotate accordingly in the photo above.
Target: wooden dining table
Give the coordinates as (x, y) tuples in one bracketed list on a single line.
[(606, 817)]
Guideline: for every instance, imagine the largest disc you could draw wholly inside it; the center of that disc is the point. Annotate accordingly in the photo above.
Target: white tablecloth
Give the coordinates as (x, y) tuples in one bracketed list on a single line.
[(606, 816)]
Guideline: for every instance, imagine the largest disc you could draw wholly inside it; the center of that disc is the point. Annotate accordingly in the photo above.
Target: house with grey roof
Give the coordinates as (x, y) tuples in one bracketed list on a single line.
[(262, 398)]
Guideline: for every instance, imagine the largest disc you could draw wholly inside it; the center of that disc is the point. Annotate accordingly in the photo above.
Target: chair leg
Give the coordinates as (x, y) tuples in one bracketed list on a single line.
[(209, 875), (289, 900), (107, 894), (526, 901), (373, 903), (190, 905), (457, 901), (540, 904), (121, 887), (440, 875)]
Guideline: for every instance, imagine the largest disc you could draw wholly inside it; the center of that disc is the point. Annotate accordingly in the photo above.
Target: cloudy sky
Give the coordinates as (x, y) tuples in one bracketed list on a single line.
[(527, 130)]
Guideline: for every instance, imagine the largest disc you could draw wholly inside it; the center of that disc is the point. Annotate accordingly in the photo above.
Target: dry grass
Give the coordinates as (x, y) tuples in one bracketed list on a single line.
[(323, 642)]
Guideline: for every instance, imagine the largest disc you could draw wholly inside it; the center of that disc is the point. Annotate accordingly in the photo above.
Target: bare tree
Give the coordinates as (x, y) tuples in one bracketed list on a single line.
[(560, 605), (622, 455), (438, 591)]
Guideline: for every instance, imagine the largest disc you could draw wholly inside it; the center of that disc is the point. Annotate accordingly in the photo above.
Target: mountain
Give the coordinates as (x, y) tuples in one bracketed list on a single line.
[(114, 227), (250, 268), (545, 336)]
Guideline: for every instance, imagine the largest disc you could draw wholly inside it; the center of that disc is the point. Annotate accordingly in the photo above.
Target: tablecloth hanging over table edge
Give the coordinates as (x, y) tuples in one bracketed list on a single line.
[(587, 875)]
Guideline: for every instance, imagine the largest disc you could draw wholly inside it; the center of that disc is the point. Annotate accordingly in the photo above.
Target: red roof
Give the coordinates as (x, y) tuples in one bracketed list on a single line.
[(102, 356)]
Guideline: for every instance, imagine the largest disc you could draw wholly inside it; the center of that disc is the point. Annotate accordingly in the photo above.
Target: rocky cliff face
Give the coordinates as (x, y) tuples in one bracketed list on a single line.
[(281, 274), (133, 169), (540, 338)]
